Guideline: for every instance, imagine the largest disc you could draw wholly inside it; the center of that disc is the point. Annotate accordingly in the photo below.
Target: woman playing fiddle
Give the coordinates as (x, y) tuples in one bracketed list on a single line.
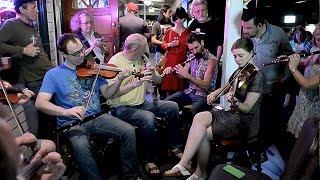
[(82, 25), (244, 123)]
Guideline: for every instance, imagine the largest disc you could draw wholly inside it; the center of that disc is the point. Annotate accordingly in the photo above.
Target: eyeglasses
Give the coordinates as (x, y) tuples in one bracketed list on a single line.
[(78, 53), (86, 23)]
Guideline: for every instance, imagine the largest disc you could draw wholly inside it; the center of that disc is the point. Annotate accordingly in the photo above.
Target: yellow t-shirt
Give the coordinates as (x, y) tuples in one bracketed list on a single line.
[(135, 96)]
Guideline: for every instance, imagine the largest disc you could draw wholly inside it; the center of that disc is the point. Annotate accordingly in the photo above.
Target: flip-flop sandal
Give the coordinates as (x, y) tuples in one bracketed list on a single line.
[(150, 168), (181, 171), (196, 177)]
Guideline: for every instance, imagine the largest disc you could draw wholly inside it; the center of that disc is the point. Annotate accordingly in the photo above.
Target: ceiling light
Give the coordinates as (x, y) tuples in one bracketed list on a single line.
[(299, 2), (289, 19), (147, 2)]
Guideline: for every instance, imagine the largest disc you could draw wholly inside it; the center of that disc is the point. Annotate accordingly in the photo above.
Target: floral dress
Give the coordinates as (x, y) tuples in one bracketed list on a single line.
[(308, 105)]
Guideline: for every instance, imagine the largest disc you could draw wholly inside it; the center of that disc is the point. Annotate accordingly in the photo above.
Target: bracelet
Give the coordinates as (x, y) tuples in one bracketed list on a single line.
[(293, 70)]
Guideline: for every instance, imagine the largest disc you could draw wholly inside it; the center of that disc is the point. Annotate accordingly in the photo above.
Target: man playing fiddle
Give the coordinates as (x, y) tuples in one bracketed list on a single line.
[(71, 95), (131, 106), (203, 69)]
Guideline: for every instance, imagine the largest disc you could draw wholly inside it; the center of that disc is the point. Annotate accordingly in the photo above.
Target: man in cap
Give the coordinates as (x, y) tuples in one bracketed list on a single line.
[(21, 41), (131, 23)]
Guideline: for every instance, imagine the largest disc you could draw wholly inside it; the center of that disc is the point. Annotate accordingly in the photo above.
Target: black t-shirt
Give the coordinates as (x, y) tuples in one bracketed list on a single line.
[(214, 32)]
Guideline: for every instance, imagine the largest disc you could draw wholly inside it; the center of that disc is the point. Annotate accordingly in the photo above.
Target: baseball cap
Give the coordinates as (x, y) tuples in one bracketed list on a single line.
[(132, 7), (18, 3)]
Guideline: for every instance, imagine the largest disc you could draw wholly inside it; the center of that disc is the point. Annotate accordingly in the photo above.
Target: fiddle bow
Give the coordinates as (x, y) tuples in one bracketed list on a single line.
[(28, 171)]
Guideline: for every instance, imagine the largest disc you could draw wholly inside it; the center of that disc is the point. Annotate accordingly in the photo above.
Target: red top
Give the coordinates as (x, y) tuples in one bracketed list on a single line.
[(174, 55)]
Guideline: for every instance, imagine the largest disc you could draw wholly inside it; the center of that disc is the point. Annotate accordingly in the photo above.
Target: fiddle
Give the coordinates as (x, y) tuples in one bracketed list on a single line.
[(244, 78), (108, 71), (283, 59), (240, 81), (241, 84)]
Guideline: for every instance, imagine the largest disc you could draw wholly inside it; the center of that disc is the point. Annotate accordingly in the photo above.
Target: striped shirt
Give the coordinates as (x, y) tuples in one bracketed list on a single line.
[(198, 68)]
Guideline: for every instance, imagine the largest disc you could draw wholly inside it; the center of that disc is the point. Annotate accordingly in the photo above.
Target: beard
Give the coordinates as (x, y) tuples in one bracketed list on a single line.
[(246, 35), (198, 55)]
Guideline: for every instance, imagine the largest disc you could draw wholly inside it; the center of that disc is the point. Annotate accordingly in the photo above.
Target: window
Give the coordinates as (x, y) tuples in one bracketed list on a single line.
[(80, 4)]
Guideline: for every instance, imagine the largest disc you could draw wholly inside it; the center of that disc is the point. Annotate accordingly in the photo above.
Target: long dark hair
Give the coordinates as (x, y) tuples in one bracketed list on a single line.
[(164, 9), (180, 13)]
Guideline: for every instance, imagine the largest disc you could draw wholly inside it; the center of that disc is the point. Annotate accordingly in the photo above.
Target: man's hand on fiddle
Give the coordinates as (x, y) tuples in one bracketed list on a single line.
[(31, 50), (25, 96), (77, 111)]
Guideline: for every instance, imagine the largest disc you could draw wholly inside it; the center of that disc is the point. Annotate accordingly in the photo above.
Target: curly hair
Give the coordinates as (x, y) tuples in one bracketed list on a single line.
[(75, 20)]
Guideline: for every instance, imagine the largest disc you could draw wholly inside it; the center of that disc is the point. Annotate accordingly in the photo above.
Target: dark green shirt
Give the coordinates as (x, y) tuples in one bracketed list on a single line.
[(14, 36)]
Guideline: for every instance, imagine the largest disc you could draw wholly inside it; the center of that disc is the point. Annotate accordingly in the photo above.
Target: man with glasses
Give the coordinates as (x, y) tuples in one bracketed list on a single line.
[(209, 27), (73, 104)]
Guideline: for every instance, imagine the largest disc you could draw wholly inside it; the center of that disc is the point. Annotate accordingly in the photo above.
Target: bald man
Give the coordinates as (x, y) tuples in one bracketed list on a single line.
[(131, 106)]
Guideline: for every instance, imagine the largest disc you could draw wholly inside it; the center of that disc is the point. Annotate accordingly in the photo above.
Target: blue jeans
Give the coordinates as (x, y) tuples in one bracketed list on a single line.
[(143, 116), (102, 125), (199, 103)]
